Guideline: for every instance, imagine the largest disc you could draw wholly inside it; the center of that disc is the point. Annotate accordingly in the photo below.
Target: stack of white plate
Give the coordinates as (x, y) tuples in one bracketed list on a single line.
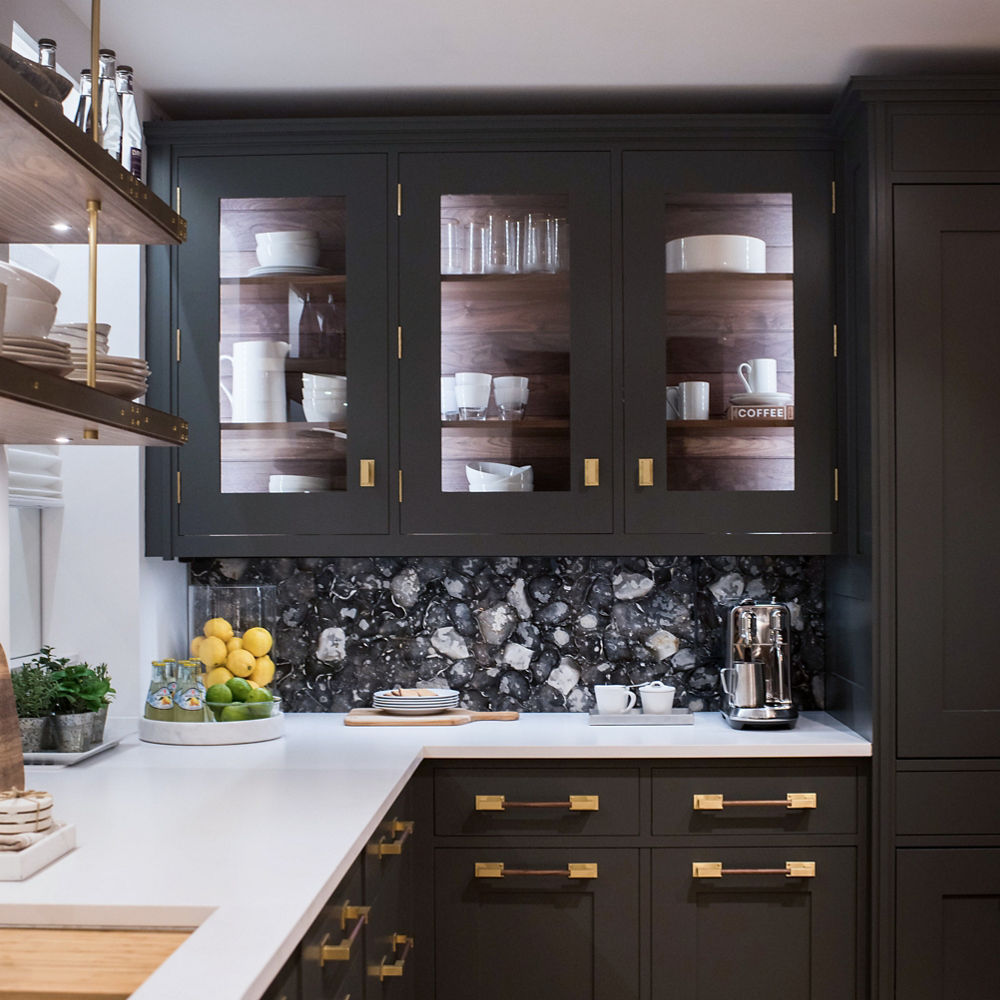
[(415, 701), (75, 334), (121, 377), (299, 484), (38, 353)]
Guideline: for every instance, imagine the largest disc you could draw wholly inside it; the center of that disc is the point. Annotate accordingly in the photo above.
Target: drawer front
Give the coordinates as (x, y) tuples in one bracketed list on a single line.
[(542, 802), (389, 964), (753, 801), (326, 973), (939, 803), (389, 852)]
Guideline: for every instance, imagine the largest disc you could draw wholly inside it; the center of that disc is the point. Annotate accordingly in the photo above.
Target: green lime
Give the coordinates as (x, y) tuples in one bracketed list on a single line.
[(235, 713), (217, 711), (260, 702), (218, 693), (239, 687), (260, 694)]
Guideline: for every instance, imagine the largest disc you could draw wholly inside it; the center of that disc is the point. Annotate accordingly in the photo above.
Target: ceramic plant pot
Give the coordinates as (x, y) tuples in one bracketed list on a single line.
[(72, 731), (98, 721), (34, 734)]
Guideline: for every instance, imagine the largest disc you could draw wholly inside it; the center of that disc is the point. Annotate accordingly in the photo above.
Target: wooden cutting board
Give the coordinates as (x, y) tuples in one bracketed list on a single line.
[(11, 757), (449, 717)]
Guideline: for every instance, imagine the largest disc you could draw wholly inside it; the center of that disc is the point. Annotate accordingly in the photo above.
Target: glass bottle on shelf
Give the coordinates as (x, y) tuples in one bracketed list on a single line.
[(111, 109), (310, 331), (47, 52), (131, 144), (83, 108), (159, 702), (189, 699)]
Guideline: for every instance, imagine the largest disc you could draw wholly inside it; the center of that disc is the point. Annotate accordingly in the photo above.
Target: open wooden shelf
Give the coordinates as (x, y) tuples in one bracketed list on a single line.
[(37, 408), (717, 425), (49, 169)]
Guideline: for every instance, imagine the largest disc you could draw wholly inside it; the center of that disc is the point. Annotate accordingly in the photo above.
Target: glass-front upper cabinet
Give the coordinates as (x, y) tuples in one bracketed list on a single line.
[(505, 309), (283, 333), (729, 342)]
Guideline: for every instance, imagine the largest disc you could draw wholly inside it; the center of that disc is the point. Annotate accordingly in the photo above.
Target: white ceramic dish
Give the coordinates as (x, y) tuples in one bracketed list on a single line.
[(761, 398), (503, 486), (726, 252), (26, 284), (261, 271), (323, 411), (28, 317), (37, 345), (298, 484), (102, 329), (15, 866), (483, 473), (116, 387), (36, 258), (42, 364), (66, 759)]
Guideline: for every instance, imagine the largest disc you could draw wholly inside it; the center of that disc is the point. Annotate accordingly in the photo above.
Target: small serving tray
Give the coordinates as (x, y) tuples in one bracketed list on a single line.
[(212, 733), (15, 866), (65, 759), (676, 717)]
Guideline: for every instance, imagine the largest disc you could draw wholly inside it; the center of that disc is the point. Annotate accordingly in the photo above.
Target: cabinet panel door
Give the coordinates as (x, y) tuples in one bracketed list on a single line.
[(281, 303), (505, 375), (754, 936), (703, 452), (324, 977), (947, 924), (947, 299), (536, 937)]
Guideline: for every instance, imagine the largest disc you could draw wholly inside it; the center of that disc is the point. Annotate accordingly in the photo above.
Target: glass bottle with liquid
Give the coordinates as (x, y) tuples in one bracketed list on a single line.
[(82, 117), (131, 146), (47, 52), (189, 701), (111, 107), (159, 702)]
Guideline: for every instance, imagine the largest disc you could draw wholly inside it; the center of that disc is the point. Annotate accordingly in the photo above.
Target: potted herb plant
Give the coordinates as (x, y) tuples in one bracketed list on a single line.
[(35, 695), (79, 696)]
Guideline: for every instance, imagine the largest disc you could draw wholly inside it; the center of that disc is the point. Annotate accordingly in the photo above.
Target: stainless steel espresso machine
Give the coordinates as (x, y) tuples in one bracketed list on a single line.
[(757, 676)]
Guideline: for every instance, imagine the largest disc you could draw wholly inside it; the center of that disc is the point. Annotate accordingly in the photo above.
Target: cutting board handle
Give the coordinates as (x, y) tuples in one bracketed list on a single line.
[(11, 755), (494, 716)]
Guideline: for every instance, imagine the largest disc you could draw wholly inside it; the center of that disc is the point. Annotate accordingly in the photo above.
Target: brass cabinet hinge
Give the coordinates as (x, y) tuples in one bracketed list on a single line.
[(178, 485), (399, 342), (834, 339), (178, 345), (833, 197), (399, 200)]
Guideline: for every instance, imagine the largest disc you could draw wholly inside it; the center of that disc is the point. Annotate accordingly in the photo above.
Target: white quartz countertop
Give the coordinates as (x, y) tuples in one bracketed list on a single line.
[(246, 843)]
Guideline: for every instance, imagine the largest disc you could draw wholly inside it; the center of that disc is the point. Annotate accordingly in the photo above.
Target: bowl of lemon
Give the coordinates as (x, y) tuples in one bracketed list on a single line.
[(236, 701)]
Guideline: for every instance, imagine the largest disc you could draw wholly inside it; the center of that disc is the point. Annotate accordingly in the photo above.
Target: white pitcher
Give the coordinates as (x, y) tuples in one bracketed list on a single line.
[(258, 394)]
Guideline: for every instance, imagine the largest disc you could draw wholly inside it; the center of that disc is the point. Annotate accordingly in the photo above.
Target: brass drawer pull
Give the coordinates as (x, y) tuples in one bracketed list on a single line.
[(386, 969), (342, 952), (575, 803), (591, 472), (382, 849), (496, 869), (793, 800), (792, 869), (645, 472), (366, 473)]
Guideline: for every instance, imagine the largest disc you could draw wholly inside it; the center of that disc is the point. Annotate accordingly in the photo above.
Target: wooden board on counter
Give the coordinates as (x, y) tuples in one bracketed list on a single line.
[(52, 963), (449, 717)]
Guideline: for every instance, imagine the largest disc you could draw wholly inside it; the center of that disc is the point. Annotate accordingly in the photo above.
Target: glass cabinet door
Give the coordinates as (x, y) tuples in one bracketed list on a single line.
[(506, 320), (282, 306), (729, 409)]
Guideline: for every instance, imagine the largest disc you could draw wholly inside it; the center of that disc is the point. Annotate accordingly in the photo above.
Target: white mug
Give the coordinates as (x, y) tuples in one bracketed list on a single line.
[(613, 699), (761, 375), (258, 394), (694, 400), (657, 698)]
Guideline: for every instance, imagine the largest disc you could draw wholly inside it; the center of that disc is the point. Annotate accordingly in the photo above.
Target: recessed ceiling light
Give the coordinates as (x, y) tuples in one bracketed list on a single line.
[(63, 440), (61, 227)]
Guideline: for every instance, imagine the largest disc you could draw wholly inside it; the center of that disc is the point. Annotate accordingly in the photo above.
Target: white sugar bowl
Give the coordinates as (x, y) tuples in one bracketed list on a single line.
[(657, 698)]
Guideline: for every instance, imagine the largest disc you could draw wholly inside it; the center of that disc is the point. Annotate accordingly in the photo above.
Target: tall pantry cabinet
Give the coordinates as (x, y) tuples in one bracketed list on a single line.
[(921, 175)]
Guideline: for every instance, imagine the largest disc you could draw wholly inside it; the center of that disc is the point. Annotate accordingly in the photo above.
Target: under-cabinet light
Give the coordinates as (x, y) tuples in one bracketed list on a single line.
[(61, 227), (63, 440)]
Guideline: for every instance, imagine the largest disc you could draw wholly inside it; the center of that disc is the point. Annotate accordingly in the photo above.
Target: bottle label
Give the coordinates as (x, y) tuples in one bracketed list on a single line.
[(159, 698), (190, 699)]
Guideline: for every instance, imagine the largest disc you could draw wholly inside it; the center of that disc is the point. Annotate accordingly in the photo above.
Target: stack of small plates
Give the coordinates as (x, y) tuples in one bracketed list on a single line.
[(121, 377), (75, 334), (38, 353), (415, 701), (761, 399)]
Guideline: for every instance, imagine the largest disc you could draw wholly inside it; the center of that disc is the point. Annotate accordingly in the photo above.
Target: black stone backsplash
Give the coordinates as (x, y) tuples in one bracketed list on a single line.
[(531, 633)]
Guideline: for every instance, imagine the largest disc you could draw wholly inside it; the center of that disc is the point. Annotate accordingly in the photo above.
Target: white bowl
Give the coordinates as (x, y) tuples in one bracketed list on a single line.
[(716, 253), (36, 258), (514, 485), (322, 411), (298, 484), (288, 236), (484, 472), (288, 255), (24, 284), (28, 317)]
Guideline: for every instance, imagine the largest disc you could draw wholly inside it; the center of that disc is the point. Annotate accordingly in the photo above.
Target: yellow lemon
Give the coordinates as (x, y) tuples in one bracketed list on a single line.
[(220, 628), (217, 676), (235, 643), (212, 651), (263, 671), (252, 682), (240, 662), (258, 641), (195, 643)]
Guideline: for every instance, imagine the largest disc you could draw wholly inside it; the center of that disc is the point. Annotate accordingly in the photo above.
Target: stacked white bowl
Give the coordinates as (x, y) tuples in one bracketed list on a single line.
[(75, 334), (496, 477), (30, 302), (288, 248), (324, 398)]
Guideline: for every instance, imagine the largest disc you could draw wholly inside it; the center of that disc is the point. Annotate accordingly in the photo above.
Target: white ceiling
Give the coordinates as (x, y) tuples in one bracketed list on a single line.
[(200, 58)]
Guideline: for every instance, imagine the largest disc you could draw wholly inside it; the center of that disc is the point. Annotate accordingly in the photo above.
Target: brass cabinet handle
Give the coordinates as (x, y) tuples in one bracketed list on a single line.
[(591, 472), (342, 952), (496, 869), (645, 472), (395, 846), (793, 800), (575, 803), (366, 473), (792, 869), (386, 969)]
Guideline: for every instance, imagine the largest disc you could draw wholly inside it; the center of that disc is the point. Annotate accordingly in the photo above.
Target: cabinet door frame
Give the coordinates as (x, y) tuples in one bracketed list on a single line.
[(204, 511), (585, 177), (810, 507)]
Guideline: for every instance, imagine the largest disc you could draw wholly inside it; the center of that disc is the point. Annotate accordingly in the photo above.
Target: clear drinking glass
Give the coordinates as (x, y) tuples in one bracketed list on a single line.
[(451, 251)]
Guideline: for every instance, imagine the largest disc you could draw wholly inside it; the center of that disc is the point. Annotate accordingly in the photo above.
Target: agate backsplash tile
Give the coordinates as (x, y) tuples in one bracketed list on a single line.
[(532, 633)]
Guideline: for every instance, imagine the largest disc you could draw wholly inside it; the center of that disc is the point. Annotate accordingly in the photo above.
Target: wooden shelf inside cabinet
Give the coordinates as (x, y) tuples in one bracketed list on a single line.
[(39, 408), (722, 426), (508, 428), (306, 281), (49, 169), (521, 277), (291, 440), (707, 277)]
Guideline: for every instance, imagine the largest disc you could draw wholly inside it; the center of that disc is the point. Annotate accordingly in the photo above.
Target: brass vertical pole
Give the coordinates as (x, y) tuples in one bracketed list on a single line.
[(95, 89), (93, 209)]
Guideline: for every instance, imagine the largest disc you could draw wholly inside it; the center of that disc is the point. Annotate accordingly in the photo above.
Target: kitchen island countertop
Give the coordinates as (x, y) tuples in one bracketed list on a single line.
[(246, 843)]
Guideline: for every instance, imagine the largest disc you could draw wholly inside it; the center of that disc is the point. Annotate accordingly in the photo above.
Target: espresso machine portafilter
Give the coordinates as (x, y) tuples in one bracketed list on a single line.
[(756, 678)]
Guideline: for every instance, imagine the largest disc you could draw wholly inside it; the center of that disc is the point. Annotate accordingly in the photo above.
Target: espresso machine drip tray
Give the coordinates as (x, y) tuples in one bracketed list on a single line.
[(757, 676)]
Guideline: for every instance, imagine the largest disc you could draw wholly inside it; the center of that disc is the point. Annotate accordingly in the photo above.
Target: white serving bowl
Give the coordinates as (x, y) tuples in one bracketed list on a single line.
[(481, 472), (324, 411), (36, 258), (514, 485), (28, 317), (288, 236), (25, 284), (716, 253), (288, 255), (298, 484)]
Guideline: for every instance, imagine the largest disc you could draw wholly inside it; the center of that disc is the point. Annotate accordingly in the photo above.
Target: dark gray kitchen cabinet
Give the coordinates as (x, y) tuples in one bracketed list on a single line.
[(333, 950), (287, 983), (947, 924), (757, 925)]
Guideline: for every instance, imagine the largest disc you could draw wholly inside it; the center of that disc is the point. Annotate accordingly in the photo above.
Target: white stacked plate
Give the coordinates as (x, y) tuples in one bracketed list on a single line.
[(38, 352), (121, 377), (75, 334), (415, 701), (256, 272), (761, 398)]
